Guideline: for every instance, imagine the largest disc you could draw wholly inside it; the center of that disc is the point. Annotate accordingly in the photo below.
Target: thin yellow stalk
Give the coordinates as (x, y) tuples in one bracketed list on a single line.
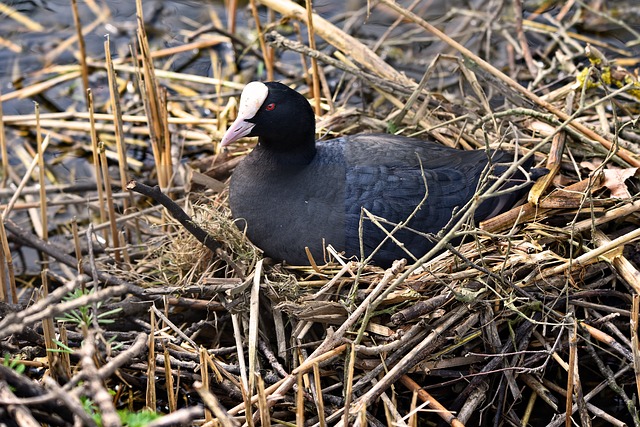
[(37, 88), (319, 400), (150, 93), (41, 179), (20, 17), (81, 46), (25, 178), (122, 242), (266, 51), (232, 7), (7, 258), (66, 44), (48, 330), (314, 62), (166, 156), (4, 296), (151, 363), (110, 208), (204, 374), (573, 332), (96, 160), (300, 402), (263, 406), (348, 391), (3, 148), (635, 351), (168, 376), (65, 359), (76, 244), (117, 116)]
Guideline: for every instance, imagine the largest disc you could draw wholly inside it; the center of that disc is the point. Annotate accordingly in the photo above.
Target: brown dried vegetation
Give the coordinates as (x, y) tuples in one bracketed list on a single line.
[(539, 304)]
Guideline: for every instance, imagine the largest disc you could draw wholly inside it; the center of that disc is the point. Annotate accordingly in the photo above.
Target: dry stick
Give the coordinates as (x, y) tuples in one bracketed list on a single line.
[(5, 214), (19, 412), (622, 265), (408, 361), (184, 219), (433, 403), (116, 111), (150, 93), (81, 46), (50, 306), (5, 262), (232, 8), (526, 212), (317, 394), (332, 339), (25, 179), (594, 392), (44, 218), (70, 402), (181, 417), (62, 118), (54, 252), (99, 394), (266, 54), (522, 39), (484, 65), (281, 42), (40, 87), (96, 160), (263, 407), (254, 325), (3, 148), (169, 324), (110, 368), (314, 63), (65, 45), (72, 75), (589, 257), (633, 324), (611, 382), (150, 395), (49, 332), (19, 17), (341, 41), (554, 161), (113, 226), (579, 393), (210, 400)]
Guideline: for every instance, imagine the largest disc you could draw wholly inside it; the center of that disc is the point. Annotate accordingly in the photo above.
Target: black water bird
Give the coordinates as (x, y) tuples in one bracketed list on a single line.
[(292, 192)]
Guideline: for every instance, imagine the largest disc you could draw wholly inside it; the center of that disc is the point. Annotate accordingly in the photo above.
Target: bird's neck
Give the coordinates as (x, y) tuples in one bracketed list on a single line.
[(301, 151)]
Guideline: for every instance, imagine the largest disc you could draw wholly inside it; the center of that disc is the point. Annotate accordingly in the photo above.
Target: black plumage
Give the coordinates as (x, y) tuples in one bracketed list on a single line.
[(292, 192)]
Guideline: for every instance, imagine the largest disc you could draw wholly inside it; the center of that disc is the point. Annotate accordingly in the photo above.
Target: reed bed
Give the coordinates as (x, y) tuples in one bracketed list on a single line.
[(130, 296)]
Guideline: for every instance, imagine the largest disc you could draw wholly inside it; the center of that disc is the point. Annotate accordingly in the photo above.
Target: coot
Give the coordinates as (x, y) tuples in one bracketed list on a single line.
[(292, 192)]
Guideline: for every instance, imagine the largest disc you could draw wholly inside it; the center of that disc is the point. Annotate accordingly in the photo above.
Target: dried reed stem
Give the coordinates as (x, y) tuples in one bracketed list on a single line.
[(484, 65), (266, 51), (81, 46), (314, 62), (97, 170), (44, 217)]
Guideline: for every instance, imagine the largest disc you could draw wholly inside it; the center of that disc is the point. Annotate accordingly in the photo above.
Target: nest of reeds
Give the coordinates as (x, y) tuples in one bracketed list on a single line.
[(134, 315)]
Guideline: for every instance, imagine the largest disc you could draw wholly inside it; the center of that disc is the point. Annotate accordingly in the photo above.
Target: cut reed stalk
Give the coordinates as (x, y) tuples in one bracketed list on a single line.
[(97, 170), (150, 395), (44, 217), (81, 46)]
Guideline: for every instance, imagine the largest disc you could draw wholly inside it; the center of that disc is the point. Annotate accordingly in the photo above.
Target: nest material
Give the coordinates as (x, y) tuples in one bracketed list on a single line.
[(537, 304)]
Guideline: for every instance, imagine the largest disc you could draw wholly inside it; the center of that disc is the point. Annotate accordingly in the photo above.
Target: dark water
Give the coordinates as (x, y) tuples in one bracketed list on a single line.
[(166, 22), (169, 22)]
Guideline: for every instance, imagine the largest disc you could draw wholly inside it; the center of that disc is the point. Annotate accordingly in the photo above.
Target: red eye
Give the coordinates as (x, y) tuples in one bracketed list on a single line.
[(270, 107)]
